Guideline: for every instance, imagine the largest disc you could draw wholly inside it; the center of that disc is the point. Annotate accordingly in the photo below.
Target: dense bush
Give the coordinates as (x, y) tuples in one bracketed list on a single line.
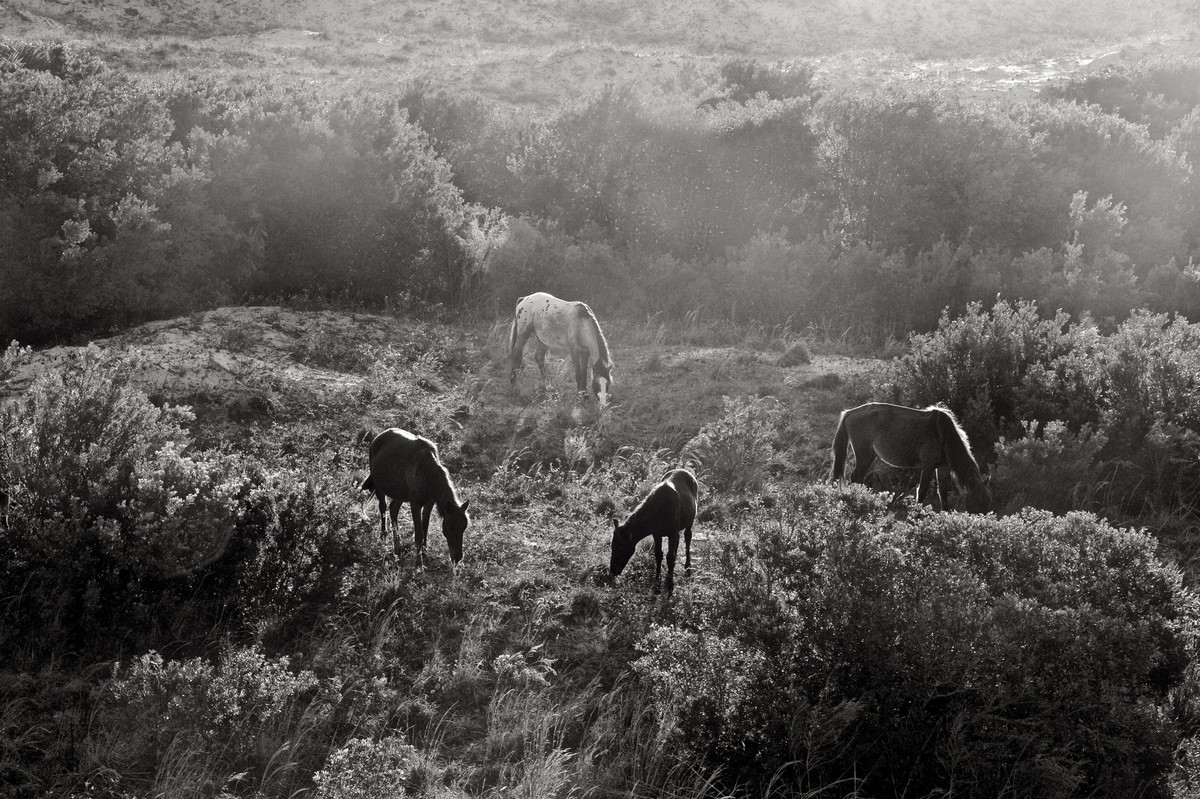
[(106, 510), (142, 201), (1157, 93), (191, 727), (776, 199), (1007, 372), (734, 453), (834, 644), (364, 769), (117, 535)]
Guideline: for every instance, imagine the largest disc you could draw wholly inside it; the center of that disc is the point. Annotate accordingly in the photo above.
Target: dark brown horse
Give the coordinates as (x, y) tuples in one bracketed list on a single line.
[(928, 439), (669, 508), (562, 326), (406, 468)]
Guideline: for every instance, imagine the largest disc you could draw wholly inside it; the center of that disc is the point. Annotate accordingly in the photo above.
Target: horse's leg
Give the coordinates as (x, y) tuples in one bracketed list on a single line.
[(928, 475), (416, 517), (863, 458), (657, 560), (382, 514), (426, 513), (581, 371), (672, 548), (943, 486), (516, 354), (393, 511), (539, 356), (687, 548)]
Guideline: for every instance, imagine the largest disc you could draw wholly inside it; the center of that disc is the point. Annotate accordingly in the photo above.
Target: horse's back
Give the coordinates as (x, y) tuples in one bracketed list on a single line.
[(902, 436), (683, 496), (548, 318), (394, 457)]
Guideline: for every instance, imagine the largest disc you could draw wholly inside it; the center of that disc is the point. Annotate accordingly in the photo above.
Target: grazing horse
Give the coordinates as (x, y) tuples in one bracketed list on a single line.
[(910, 438), (562, 326), (669, 508), (406, 468)]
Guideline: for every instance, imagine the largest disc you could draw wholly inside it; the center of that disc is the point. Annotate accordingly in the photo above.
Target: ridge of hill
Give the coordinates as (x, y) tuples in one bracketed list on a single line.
[(547, 51), (272, 378)]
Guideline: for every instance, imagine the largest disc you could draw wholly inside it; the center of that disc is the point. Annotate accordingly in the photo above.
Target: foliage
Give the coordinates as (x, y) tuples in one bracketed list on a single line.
[(191, 726), (1051, 468), (364, 769), (1157, 93), (142, 201), (1127, 399), (104, 504), (116, 532), (775, 199), (833, 640), (998, 368), (734, 452)]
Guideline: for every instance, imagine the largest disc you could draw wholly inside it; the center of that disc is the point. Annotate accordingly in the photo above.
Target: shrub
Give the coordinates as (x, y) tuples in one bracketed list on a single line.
[(106, 509), (735, 452), (364, 769), (796, 355), (997, 369), (295, 548), (833, 641), (1051, 468), (192, 727)]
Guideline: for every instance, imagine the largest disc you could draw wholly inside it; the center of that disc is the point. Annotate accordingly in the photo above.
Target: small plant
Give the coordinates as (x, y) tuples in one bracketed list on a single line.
[(1053, 469), (367, 769), (12, 358), (735, 451), (236, 339), (796, 355)]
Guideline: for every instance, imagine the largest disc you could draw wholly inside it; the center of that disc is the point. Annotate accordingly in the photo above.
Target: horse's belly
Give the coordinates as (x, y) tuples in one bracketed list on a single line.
[(558, 344), (900, 459)]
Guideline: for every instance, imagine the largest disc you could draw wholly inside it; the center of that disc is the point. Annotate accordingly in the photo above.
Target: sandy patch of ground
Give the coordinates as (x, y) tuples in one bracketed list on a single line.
[(229, 352)]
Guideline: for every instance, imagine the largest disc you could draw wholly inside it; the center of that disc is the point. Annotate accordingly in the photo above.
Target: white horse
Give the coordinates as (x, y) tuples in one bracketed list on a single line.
[(562, 326)]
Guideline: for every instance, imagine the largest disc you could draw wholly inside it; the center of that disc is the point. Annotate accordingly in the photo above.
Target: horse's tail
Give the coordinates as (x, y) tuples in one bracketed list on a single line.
[(841, 440)]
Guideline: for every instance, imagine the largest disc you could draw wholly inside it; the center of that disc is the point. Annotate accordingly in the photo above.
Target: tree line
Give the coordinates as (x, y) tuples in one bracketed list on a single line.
[(777, 198)]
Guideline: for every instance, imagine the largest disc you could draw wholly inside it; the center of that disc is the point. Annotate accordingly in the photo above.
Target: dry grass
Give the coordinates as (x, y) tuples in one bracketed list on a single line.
[(545, 52)]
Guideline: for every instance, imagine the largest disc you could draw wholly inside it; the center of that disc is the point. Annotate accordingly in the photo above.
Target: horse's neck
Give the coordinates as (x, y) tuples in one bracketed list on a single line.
[(437, 483), (962, 462), (596, 349), (646, 518)]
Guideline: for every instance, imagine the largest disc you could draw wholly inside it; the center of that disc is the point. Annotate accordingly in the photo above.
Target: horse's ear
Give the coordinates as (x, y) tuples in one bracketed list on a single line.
[(616, 524), (464, 505)]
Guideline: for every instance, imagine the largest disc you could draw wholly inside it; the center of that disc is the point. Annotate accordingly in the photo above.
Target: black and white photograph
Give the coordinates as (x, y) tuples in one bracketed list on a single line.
[(599, 399)]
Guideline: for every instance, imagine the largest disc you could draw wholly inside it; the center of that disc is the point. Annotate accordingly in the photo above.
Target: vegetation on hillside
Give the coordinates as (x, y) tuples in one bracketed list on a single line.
[(833, 208), (193, 601), (820, 644)]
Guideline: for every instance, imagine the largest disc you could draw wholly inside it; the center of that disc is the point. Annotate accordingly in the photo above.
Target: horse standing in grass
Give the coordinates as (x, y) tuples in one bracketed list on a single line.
[(406, 468), (669, 508), (928, 439), (562, 326)]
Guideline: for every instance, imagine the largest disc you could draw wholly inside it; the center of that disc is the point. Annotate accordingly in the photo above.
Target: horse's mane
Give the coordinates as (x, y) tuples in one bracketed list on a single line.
[(585, 311), (958, 446), (438, 480)]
